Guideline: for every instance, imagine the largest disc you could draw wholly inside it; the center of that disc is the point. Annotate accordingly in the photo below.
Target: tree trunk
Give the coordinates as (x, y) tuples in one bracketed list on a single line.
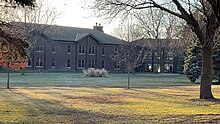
[(129, 80), (162, 61), (23, 71), (152, 61), (8, 72), (207, 73), (8, 87)]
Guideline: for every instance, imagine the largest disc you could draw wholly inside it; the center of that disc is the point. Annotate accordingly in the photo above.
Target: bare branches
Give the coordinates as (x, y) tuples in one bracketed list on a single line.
[(12, 42), (130, 56), (203, 23), (20, 2), (42, 14), (216, 8)]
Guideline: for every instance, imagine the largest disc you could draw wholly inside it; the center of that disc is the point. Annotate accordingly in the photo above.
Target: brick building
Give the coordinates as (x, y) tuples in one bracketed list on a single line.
[(61, 48), (161, 58)]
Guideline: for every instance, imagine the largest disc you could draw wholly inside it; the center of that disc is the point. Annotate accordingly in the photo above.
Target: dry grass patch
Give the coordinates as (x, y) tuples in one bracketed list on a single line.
[(177, 104)]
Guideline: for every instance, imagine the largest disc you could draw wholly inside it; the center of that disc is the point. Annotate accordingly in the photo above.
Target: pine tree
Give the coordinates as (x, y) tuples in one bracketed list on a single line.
[(180, 66), (193, 59), (193, 62), (216, 61)]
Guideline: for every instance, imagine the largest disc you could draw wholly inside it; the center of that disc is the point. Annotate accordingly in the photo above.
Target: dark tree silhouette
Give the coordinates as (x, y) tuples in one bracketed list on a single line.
[(205, 26), (9, 35)]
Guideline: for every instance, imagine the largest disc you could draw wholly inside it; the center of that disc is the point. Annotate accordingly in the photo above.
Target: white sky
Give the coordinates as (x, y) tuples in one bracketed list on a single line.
[(72, 14)]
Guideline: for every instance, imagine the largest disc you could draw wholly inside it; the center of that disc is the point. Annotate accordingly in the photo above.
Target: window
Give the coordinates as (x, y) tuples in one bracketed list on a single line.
[(92, 50), (170, 58), (103, 64), (39, 62), (39, 48), (81, 50), (91, 63), (30, 62), (103, 51), (68, 49), (53, 63), (53, 49), (81, 64), (68, 63), (117, 65), (116, 51)]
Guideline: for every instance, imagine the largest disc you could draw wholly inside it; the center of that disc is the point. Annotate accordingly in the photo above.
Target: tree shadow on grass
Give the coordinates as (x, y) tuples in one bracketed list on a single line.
[(51, 111)]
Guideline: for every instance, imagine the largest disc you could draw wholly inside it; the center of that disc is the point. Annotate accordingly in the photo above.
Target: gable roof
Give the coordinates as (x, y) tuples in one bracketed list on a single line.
[(64, 33)]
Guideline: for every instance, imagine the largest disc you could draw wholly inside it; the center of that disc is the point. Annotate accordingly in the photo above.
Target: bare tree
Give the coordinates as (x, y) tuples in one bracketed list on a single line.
[(33, 22), (12, 42), (128, 32), (152, 24), (184, 9), (43, 13), (130, 56)]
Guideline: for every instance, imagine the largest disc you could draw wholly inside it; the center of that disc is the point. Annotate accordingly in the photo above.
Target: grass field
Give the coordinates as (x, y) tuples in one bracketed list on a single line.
[(72, 98), (78, 79)]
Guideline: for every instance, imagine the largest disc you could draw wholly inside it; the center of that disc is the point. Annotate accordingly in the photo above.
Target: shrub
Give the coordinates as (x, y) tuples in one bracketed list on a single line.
[(91, 72)]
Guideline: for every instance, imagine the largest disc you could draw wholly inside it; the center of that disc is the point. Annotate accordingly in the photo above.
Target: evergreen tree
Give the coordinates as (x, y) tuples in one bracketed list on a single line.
[(216, 61), (193, 62), (180, 66), (193, 59)]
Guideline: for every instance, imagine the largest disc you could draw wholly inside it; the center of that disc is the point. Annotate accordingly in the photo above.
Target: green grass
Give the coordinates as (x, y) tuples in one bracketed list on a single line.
[(78, 79), (72, 98)]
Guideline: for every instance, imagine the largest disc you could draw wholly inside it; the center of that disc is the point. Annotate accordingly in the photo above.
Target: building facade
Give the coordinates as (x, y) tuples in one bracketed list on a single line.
[(160, 58), (62, 48)]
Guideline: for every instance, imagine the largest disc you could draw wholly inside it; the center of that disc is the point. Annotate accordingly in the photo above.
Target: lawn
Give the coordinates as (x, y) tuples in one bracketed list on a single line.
[(79, 80), (72, 98)]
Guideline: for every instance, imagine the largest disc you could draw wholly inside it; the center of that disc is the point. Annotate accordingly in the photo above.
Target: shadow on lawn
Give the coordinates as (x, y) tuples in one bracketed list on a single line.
[(52, 111), (48, 111)]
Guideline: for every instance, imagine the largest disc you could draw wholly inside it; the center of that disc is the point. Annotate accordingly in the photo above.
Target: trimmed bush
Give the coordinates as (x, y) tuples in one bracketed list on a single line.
[(92, 72)]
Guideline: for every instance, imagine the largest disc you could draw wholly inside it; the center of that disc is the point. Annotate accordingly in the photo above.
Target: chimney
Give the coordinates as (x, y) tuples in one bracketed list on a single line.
[(98, 27)]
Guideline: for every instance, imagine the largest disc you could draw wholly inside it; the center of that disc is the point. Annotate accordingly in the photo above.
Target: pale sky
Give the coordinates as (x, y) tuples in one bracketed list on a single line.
[(72, 14)]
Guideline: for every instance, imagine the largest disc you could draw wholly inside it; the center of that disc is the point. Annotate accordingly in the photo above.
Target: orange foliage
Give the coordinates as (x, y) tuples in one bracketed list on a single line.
[(13, 64)]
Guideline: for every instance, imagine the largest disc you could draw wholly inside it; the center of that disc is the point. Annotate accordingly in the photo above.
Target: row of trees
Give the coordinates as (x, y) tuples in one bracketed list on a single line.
[(202, 17), (157, 25)]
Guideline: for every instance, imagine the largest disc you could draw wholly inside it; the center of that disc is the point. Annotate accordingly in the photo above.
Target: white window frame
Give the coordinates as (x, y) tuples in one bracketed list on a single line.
[(40, 48), (91, 50), (30, 62), (53, 49), (103, 49), (103, 64), (81, 64), (81, 50), (91, 63), (39, 60), (53, 62), (69, 63), (69, 49), (117, 65)]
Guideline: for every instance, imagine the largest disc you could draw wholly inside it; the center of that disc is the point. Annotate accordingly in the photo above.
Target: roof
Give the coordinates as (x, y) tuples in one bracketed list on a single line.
[(74, 34), (155, 42)]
